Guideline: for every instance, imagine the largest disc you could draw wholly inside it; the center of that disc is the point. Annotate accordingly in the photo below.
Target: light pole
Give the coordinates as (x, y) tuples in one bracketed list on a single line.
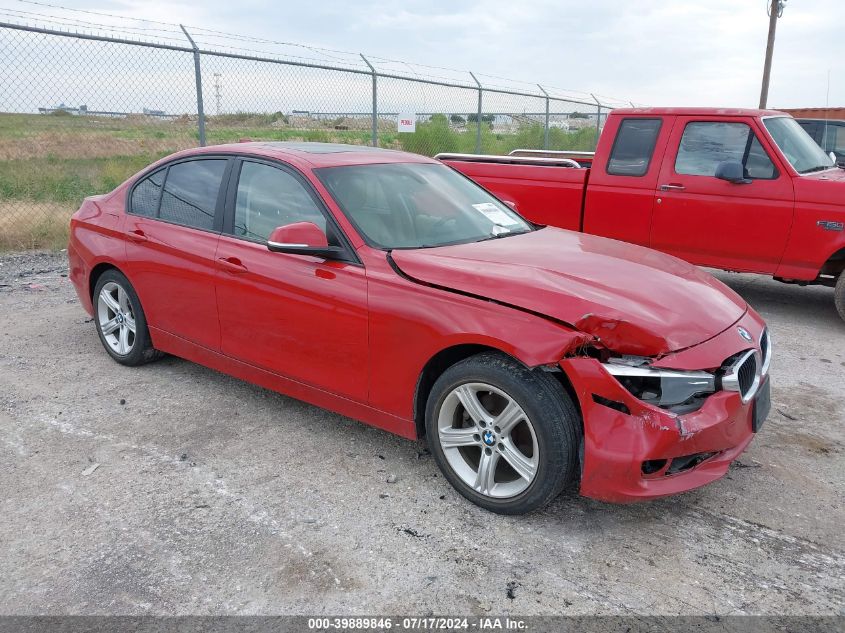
[(775, 11)]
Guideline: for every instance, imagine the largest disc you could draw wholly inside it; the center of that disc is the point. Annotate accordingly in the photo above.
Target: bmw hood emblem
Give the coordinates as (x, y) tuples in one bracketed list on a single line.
[(745, 334)]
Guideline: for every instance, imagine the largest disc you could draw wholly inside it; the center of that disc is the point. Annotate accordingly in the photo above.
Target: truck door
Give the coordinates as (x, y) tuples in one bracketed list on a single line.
[(620, 191), (713, 222)]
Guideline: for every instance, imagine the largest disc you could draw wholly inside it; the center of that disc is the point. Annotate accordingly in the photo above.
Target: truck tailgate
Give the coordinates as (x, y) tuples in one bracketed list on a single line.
[(543, 194)]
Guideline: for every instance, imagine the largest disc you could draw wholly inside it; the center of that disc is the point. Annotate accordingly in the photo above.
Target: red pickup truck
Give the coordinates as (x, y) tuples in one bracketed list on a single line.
[(740, 190)]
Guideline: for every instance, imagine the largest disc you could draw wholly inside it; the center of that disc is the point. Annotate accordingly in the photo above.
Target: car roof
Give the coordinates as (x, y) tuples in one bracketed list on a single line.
[(314, 155), (744, 112)]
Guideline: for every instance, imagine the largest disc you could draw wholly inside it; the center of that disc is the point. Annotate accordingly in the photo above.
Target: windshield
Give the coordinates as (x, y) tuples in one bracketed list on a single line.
[(418, 205), (799, 147)]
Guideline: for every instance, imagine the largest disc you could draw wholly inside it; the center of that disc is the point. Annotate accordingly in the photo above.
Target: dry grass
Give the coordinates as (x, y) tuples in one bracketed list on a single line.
[(48, 164), (29, 225), (58, 145)]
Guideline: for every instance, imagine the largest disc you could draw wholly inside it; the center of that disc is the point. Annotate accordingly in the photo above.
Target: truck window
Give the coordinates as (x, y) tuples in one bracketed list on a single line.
[(802, 152), (831, 137), (814, 129), (836, 136), (633, 147), (705, 144)]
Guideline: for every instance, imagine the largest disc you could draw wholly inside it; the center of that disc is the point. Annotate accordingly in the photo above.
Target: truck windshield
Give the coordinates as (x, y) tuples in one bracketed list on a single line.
[(418, 205), (797, 146)]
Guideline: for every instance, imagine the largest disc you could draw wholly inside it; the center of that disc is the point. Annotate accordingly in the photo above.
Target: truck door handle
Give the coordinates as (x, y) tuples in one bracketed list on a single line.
[(137, 236), (672, 187), (232, 265)]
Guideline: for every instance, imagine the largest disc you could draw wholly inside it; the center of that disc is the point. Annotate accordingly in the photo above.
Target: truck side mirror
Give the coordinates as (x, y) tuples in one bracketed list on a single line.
[(732, 171)]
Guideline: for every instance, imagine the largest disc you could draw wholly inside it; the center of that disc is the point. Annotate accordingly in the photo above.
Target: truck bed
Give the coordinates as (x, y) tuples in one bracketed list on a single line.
[(548, 190)]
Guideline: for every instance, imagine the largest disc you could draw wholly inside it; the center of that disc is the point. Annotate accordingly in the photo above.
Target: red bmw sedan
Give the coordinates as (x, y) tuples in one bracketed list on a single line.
[(389, 288)]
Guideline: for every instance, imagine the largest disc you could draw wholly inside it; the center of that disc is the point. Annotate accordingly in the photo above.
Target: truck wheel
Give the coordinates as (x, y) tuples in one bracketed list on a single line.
[(504, 436), (839, 294)]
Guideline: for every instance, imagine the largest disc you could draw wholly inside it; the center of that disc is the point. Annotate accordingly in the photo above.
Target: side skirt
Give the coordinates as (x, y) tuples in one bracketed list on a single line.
[(177, 346)]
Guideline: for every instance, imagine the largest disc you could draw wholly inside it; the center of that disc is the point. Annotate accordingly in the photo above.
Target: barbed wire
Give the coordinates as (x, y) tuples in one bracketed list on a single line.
[(219, 41)]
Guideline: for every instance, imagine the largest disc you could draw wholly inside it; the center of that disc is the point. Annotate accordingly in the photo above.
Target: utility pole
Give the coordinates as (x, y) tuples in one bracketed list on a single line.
[(775, 11), (218, 95)]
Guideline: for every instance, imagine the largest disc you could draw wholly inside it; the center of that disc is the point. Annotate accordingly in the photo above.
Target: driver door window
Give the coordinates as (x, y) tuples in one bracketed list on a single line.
[(706, 144), (269, 197)]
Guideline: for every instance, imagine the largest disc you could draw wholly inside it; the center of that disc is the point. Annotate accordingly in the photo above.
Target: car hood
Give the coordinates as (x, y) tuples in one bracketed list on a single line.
[(633, 299)]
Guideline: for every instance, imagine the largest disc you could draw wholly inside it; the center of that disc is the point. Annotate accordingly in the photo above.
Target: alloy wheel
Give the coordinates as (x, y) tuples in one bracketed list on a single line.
[(488, 440), (116, 318)]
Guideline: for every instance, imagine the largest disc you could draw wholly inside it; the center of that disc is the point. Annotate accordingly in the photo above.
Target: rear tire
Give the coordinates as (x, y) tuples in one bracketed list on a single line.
[(120, 320), (839, 295), (506, 437)]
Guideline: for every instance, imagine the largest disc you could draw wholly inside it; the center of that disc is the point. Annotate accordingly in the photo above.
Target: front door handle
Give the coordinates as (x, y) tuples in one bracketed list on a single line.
[(672, 187), (232, 265), (137, 236)]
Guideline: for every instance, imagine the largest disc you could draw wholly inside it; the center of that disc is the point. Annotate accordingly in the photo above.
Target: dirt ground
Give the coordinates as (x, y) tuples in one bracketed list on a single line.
[(212, 496)]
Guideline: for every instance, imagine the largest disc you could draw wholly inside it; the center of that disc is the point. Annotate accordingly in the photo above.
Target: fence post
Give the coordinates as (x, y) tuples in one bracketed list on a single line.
[(546, 127), (598, 118), (375, 99), (478, 121), (198, 78)]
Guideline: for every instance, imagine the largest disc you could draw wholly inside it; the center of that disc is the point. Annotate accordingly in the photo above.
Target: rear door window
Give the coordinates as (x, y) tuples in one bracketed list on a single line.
[(146, 195), (705, 144), (190, 193), (633, 147)]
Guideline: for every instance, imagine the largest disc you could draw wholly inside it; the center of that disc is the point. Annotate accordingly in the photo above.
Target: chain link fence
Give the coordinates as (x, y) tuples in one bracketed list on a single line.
[(80, 113)]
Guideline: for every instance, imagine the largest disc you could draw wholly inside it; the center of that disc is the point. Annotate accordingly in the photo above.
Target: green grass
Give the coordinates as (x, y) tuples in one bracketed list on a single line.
[(436, 136), (52, 179), (49, 163)]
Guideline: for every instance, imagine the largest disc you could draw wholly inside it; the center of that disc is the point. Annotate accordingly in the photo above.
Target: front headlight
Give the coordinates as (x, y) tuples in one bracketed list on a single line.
[(678, 391)]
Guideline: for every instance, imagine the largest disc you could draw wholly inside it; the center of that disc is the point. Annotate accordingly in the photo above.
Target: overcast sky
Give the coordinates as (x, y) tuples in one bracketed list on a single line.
[(656, 52)]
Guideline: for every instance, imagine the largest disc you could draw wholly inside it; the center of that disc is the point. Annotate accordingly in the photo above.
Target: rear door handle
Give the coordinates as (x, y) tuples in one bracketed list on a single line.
[(137, 236), (232, 265), (672, 187)]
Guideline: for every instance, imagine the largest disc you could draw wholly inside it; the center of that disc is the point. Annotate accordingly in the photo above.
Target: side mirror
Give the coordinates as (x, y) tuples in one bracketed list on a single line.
[(732, 171), (302, 238)]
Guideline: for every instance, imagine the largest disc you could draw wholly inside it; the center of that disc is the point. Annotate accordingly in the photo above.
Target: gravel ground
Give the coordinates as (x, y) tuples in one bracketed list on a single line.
[(212, 496)]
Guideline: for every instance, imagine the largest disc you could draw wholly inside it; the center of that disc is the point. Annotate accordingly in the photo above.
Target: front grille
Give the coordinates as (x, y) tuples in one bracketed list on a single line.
[(747, 373), (742, 373)]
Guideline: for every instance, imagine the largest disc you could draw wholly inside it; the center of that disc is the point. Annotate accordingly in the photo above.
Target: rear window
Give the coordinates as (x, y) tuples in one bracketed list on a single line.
[(633, 147), (190, 193)]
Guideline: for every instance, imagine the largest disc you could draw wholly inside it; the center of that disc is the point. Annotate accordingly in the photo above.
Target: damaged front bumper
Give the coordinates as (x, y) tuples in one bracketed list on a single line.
[(634, 451)]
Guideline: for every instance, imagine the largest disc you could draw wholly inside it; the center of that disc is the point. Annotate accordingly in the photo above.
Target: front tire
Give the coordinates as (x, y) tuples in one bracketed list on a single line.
[(120, 320), (504, 436), (839, 295)]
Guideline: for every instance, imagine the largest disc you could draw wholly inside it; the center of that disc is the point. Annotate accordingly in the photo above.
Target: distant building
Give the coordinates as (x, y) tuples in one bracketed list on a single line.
[(815, 113)]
